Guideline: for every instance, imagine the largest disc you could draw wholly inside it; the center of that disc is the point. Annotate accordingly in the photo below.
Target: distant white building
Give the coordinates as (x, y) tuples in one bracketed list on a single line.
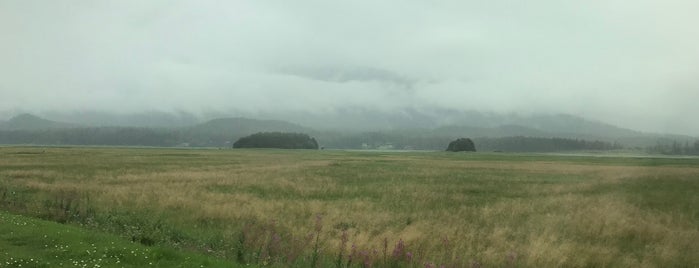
[(385, 146)]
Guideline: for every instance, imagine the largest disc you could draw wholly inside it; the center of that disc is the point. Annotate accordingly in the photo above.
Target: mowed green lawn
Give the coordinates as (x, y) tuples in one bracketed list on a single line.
[(348, 208)]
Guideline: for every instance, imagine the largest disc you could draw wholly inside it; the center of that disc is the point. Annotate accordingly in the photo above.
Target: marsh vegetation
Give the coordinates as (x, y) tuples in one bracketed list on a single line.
[(354, 208)]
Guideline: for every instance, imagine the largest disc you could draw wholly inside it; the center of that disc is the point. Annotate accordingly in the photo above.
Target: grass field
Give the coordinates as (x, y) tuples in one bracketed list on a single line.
[(28, 242), (339, 208)]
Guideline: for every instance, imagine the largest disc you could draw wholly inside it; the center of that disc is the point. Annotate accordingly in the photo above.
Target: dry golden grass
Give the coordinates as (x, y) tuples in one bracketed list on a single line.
[(543, 210)]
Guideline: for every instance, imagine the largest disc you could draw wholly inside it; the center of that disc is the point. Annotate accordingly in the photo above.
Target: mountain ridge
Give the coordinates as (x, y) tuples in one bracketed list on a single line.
[(224, 130), (28, 121)]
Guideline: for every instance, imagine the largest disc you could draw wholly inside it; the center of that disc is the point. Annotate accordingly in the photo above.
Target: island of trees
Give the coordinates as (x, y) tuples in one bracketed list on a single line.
[(461, 145), (280, 140)]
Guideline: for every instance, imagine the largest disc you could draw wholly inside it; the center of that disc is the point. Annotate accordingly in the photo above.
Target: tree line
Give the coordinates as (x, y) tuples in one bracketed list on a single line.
[(536, 144), (377, 140), (675, 148), (117, 136), (133, 136)]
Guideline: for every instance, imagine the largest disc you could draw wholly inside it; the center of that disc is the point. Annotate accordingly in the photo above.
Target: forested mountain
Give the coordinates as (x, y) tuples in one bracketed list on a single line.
[(31, 122), (499, 131), (448, 122), (150, 119), (118, 136), (408, 141), (244, 126), (363, 119), (224, 131), (29, 129), (543, 133)]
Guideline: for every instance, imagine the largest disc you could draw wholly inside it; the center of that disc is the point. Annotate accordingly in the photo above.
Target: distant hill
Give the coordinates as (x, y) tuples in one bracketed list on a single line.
[(32, 122), (499, 131), (150, 119), (223, 131), (356, 129), (570, 124), (29, 129), (246, 126), (499, 124), (446, 123)]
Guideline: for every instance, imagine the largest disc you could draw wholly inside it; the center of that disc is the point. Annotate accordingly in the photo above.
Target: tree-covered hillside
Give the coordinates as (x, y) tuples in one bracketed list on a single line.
[(32, 122), (223, 132)]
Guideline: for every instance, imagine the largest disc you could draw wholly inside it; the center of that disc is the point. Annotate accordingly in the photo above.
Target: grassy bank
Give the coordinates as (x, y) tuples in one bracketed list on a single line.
[(29, 242), (301, 208)]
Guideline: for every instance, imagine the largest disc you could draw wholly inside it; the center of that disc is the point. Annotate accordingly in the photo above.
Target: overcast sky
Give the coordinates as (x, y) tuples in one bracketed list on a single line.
[(629, 63)]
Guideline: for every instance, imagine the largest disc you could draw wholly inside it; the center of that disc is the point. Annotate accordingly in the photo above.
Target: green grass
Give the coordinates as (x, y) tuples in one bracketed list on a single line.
[(260, 206), (28, 242)]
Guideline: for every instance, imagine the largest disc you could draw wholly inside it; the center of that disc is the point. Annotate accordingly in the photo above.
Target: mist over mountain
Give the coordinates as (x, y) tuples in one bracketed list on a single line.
[(32, 122), (344, 119), (342, 128), (374, 119), (359, 65), (138, 119), (450, 122), (225, 131)]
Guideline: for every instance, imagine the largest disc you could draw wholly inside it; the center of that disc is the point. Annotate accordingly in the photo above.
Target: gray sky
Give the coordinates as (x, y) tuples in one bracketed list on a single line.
[(629, 63)]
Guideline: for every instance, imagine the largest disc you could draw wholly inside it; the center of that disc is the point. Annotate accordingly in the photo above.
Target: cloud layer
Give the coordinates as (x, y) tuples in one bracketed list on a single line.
[(629, 63)]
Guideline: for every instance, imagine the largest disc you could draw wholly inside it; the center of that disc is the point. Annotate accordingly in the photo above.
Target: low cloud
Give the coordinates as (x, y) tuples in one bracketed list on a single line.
[(630, 64)]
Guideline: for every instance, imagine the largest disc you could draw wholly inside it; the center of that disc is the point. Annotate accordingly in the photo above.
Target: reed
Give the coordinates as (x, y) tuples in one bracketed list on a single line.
[(376, 209)]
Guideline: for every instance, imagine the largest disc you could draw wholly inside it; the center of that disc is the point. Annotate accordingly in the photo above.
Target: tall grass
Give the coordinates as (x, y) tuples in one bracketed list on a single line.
[(358, 209)]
